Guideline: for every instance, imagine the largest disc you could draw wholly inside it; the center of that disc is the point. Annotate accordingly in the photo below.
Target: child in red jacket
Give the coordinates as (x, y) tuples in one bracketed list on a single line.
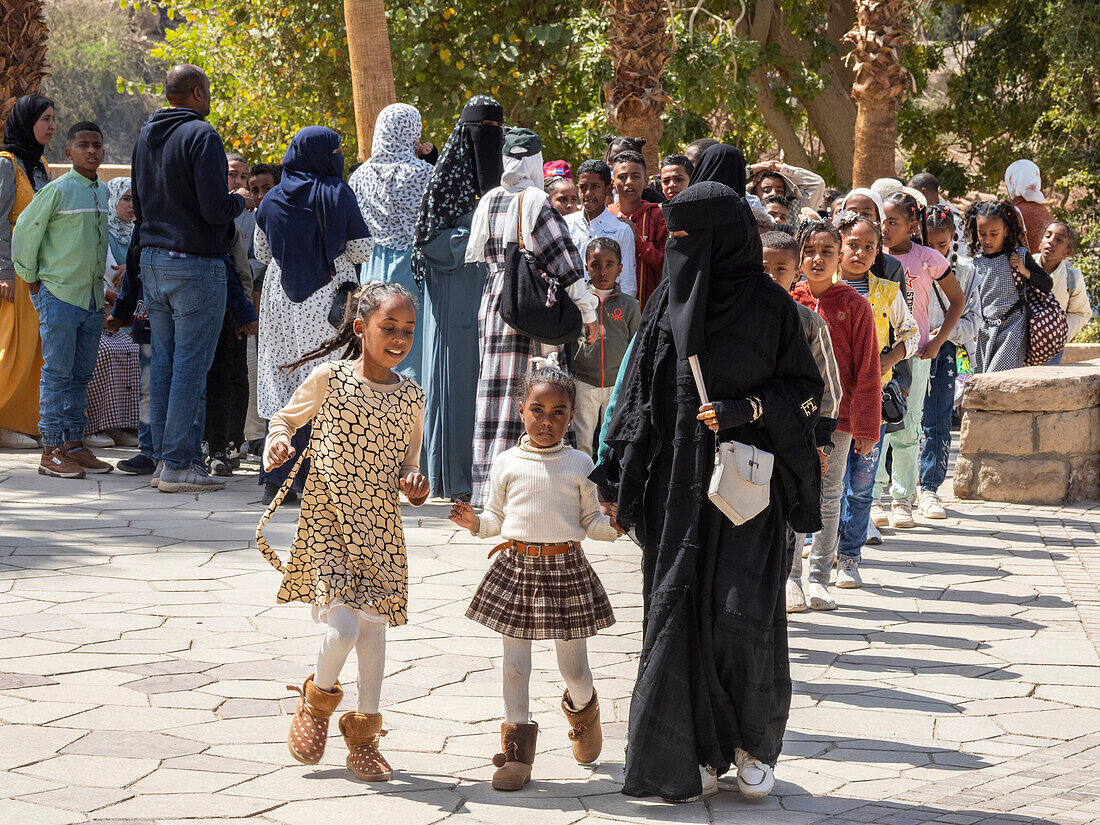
[(855, 345)]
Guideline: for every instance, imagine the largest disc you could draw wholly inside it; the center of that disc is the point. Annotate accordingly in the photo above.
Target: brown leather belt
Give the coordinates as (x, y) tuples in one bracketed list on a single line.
[(536, 550)]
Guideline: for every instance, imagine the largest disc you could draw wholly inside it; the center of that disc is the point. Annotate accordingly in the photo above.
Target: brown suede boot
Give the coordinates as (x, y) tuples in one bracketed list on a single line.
[(517, 743), (361, 734), (309, 730), (585, 730)]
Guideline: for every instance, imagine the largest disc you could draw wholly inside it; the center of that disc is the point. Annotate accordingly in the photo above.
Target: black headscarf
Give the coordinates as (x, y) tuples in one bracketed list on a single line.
[(711, 270), (724, 164), (19, 136), (470, 164)]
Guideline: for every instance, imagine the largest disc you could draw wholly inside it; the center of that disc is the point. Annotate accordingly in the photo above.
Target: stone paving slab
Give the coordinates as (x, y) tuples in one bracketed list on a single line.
[(143, 664)]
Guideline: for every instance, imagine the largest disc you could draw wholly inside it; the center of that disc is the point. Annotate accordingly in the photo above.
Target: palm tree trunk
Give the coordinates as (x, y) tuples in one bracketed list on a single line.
[(875, 136), (371, 66), (23, 34), (635, 98)]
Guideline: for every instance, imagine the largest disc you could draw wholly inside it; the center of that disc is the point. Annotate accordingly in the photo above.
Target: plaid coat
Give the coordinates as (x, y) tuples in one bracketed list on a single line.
[(504, 352)]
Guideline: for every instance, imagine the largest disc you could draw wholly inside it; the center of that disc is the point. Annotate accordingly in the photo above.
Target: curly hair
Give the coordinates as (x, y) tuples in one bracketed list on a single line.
[(845, 219), (546, 374), (368, 300), (1014, 226), (619, 143), (810, 228)]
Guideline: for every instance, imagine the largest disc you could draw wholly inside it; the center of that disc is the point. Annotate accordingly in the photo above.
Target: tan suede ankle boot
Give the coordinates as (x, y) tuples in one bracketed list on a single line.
[(361, 734), (517, 745), (585, 730), (309, 729)]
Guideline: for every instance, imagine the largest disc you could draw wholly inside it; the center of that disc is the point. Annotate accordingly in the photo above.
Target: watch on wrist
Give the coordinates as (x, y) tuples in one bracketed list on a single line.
[(826, 449)]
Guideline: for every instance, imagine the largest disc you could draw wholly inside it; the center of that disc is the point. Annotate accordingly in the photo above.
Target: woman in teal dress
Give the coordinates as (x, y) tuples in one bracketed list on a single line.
[(470, 165), (389, 188)]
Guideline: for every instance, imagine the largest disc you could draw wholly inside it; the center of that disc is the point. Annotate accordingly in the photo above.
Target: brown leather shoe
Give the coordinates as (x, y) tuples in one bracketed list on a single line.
[(309, 730), (517, 743), (361, 734), (59, 464), (86, 459), (585, 730)]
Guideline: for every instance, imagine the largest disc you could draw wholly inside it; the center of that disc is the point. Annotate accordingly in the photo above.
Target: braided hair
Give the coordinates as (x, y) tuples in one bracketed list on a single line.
[(620, 143), (368, 299), (941, 218), (1014, 226), (915, 211), (546, 371)]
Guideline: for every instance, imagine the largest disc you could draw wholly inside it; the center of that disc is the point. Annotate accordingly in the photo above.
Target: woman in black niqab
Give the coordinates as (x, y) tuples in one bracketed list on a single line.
[(724, 164), (714, 677)]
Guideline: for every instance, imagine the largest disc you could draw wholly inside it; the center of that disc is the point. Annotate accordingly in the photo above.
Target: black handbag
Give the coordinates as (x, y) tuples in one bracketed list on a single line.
[(533, 302)]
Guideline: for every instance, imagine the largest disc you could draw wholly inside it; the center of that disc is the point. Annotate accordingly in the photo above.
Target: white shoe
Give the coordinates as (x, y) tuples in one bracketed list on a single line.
[(754, 778), (98, 441), (878, 515), (123, 438), (930, 506), (708, 778), (848, 575), (874, 535), (901, 515), (796, 600), (11, 440), (820, 598)]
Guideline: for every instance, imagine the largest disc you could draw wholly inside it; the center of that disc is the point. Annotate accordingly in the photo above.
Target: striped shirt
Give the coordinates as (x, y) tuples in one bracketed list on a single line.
[(60, 240)]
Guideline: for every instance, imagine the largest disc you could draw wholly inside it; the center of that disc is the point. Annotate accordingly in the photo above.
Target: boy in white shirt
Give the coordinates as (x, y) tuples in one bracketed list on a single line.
[(594, 221)]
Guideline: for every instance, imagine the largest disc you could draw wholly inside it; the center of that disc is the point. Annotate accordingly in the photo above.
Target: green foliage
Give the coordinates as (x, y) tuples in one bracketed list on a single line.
[(92, 44), (1089, 264)]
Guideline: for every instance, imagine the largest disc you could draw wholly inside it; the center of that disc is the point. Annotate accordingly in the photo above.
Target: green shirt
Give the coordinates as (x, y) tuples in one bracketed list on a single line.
[(60, 240)]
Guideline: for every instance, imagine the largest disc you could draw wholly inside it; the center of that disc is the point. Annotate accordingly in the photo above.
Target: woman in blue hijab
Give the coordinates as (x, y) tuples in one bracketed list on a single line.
[(311, 234)]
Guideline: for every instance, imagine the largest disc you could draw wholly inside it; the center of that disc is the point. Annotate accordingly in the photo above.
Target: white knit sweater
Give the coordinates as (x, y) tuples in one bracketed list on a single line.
[(543, 496)]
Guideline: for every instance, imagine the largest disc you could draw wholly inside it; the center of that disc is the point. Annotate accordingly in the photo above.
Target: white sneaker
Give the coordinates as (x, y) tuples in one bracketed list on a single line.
[(796, 600), (874, 535), (11, 440), (930, 506), (848, 575), (901, 515), (820, 598), (98, 441), (708, 778), (123, 438), (754, 778), (878, 515)]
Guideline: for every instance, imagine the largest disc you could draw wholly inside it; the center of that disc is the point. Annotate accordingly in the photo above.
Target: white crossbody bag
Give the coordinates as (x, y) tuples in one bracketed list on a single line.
[(740, 485)]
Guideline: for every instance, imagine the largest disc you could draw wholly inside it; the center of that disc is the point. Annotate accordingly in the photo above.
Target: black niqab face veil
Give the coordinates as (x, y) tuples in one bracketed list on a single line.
[(712, 269), (723, 164), (486, 139), (19, 136)]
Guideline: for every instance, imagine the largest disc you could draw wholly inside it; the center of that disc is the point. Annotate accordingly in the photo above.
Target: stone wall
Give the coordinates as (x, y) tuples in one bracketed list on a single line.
[(1031, 435), (1076, 353)]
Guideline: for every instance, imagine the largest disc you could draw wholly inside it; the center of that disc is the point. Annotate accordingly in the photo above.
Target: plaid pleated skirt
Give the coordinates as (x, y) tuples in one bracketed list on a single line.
[(542, 597)]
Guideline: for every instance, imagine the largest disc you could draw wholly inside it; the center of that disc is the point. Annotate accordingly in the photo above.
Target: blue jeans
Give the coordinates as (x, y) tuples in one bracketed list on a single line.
[(145, 432), (186, 302), (938, 405), (70, 344), (855, 512)]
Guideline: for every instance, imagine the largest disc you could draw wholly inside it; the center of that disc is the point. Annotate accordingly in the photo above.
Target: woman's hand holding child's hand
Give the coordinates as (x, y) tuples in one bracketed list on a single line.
[(463, 515), (280, 453), (415, 487)]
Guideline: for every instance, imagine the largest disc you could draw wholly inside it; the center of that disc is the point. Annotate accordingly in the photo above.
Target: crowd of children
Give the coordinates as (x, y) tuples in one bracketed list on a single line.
[(891, 306)]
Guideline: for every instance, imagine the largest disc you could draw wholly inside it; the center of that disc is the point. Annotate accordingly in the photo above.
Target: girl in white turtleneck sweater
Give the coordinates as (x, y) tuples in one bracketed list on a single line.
[(540, 585)]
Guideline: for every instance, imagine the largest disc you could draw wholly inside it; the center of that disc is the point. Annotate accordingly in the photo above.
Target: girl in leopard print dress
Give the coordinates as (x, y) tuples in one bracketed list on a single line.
[(348, 557)]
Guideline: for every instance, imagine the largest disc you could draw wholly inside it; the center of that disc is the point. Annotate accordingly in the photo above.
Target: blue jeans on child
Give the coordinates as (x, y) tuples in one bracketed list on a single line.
[(70, 344), (185, 297), (938, 405), (855, 512)]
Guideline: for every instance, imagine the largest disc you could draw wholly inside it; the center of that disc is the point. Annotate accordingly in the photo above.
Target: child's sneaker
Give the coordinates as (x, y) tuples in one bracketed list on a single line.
[(86, 459), (361, 733), (930, 506), (820, 598), (878, 515), (874, 535), (847, 576), (192, 480), (901, 515), (796, 599), (219, 465), (59, 464)]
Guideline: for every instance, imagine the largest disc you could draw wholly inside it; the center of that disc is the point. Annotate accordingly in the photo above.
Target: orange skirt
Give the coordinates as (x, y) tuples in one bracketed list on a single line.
[(20, 362)]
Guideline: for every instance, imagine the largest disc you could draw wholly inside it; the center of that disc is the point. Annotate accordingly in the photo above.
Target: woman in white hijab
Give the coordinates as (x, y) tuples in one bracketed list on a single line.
[(389, 188), (1025, 190), (504, 352)]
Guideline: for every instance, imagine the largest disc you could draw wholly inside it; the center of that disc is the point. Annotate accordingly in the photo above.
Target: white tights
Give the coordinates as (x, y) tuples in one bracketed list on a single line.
[(348, 628), (572, 662)]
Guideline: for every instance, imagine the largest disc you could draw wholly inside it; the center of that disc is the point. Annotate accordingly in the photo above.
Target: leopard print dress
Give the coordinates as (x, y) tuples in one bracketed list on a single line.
[(350, 546)]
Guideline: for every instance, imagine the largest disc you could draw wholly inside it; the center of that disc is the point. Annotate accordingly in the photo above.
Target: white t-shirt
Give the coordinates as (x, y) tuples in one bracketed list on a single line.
[(606, 225)]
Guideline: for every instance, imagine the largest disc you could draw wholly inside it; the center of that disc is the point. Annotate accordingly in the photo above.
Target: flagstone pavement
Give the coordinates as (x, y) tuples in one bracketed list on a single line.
[(143, 665)]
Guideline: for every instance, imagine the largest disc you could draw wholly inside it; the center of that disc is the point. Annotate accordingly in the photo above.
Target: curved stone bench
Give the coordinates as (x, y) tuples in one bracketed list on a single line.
[(1031, 435)]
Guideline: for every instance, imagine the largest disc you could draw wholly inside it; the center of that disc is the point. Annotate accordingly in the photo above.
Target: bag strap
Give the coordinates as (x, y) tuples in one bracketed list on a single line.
[(261, 542), (519, 220)]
